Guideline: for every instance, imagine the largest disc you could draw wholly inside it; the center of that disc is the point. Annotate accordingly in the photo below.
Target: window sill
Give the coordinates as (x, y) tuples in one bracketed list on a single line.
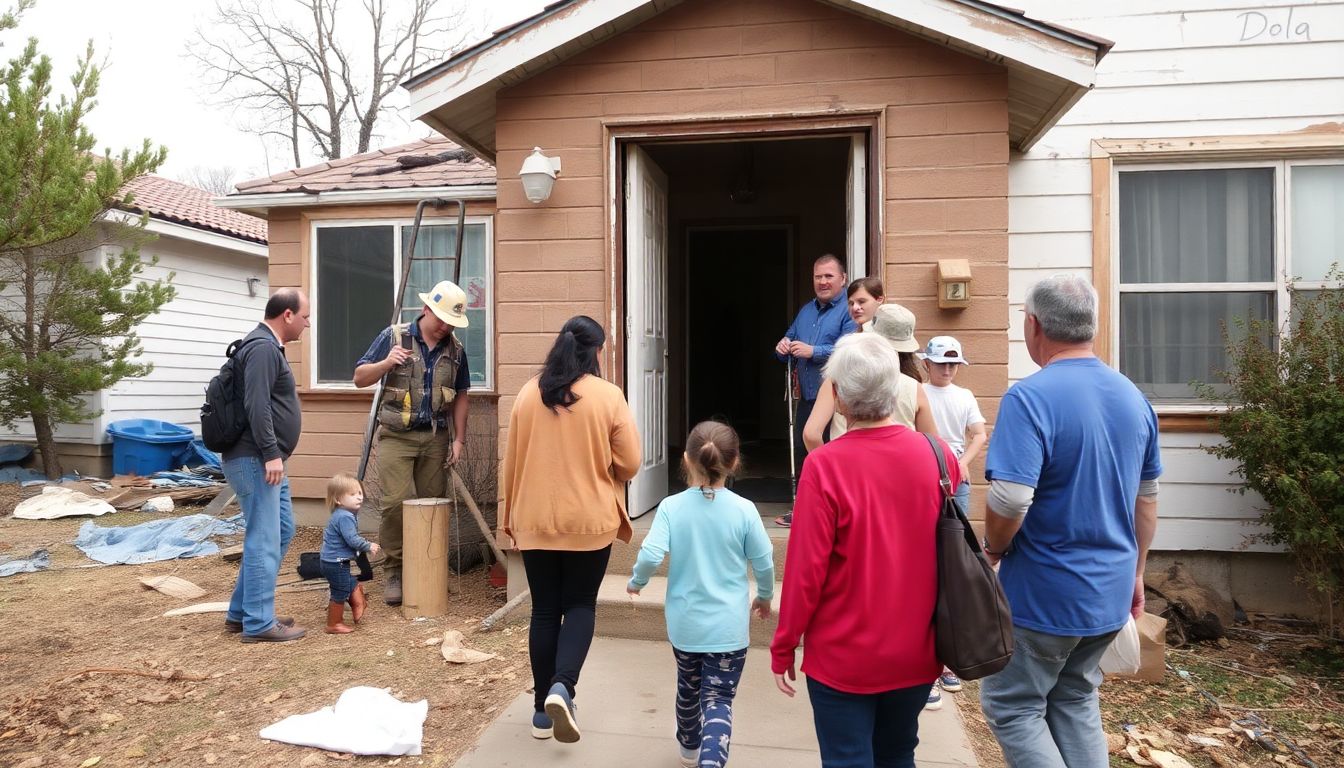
[(1178, 419), (351, 394)]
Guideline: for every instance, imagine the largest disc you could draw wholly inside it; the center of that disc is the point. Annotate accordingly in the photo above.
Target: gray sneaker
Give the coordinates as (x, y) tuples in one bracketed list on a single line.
[(392, 589)]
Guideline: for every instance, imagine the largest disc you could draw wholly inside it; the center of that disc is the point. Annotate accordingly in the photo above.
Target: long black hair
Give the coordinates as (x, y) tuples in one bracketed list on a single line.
[(573, 355)]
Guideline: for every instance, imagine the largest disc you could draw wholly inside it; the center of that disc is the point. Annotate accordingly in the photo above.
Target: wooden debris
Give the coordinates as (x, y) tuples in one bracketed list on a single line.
[(232, 554), (505, 610), (173, 587), (221, 501), (198, 608)]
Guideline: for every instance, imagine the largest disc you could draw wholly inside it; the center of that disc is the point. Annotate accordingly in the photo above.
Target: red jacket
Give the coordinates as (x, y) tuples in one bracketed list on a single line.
[(860, 576)]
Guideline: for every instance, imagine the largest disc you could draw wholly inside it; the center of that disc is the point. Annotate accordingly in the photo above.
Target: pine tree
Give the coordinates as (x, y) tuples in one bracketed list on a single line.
[(71, 294)]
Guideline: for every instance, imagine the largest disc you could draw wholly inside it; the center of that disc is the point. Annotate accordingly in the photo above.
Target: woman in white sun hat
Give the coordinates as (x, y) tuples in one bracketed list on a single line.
[(896, 324)]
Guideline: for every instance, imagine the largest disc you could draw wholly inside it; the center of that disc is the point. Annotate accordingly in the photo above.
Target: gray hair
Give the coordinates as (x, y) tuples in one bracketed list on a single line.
[(866, 373), (1066, 308)]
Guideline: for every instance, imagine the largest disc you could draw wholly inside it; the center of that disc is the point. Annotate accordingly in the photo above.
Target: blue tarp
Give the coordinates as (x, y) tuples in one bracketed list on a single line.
[(13, 453), (35, 562), (195, 454), (155, 540)]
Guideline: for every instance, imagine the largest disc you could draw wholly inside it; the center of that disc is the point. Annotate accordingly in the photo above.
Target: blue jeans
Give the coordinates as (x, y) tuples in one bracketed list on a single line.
[(963, 497), (872, 730), (269, 518), (1043, 706), (706, 687), (337, 574)]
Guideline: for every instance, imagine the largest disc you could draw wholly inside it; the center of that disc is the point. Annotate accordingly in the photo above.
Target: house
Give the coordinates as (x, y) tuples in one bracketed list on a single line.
[(217, 260), (710, 150)]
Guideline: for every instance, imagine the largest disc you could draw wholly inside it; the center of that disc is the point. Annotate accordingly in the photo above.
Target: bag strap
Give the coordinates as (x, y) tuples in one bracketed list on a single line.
[(951, 509), (943, 481)]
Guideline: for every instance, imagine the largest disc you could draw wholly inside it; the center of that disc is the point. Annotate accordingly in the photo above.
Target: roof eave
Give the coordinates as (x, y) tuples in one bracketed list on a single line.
[(261, 204)]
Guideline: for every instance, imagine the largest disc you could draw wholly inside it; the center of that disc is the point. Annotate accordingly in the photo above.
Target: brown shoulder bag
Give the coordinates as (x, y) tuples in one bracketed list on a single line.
[(972, 622)]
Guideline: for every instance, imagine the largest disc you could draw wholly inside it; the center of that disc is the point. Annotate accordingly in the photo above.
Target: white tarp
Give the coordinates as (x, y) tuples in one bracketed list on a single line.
[(55, 501), (364, 721)]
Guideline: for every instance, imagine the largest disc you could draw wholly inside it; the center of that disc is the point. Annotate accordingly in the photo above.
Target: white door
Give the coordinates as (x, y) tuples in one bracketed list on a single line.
[(646, 322), (856, 208)]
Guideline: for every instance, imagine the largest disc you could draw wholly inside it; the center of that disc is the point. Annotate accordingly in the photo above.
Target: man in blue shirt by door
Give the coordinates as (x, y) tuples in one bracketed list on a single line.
[(810, 340)]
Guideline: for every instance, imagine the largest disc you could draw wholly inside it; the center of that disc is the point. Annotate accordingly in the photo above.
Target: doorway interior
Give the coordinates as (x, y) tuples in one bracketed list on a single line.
[(744, 220)]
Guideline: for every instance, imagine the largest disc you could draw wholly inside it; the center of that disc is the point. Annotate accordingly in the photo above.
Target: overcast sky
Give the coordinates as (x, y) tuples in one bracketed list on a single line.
[(150, 89)]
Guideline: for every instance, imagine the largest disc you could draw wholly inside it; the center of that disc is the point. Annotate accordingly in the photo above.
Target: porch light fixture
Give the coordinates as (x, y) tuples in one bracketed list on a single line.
[(538, 175)]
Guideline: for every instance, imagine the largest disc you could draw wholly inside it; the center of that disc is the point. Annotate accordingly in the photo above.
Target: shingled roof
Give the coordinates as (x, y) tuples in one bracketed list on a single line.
[(431, 162), (184, 204)]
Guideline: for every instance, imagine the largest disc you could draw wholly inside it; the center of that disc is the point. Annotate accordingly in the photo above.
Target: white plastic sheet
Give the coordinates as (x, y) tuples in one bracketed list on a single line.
[(1122, 655), (364, 721), (55, 501)]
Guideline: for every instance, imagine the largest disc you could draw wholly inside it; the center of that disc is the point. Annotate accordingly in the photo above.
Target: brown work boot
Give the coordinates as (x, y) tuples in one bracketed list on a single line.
[(336, 612), (237, 626), (278, 633), (392, 589), (357, 603)]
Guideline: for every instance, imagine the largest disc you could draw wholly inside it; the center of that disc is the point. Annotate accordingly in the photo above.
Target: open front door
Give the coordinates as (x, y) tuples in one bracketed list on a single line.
[(856, 208), (646, 322)]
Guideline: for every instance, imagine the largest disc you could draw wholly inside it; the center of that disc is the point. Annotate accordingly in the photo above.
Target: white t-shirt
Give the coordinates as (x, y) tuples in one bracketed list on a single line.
[(954, 411)]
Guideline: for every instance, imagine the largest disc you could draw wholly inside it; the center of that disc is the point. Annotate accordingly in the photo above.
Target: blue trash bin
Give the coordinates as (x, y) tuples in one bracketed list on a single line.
[(145, 446)]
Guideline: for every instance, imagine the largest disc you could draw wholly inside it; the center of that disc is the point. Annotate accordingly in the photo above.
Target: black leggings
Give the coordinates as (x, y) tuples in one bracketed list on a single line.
[(564, 602)]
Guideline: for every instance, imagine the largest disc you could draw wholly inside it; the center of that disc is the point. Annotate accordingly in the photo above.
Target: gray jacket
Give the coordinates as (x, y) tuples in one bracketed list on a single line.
[(270, 400)]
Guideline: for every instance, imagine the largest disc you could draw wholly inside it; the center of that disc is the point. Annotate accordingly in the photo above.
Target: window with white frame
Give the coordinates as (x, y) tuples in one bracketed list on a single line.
[(1203, 246), (356, 264)]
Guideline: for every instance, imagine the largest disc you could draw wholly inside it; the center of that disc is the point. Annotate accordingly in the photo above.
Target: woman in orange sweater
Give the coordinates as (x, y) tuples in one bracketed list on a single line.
[(572, 447)]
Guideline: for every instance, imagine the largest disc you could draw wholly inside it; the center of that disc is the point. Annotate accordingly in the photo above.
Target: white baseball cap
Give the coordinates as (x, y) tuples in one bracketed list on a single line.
[(944, 349)]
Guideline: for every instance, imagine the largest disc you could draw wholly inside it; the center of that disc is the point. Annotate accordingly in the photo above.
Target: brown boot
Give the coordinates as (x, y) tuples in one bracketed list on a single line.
[(336, 612), (357, 603)]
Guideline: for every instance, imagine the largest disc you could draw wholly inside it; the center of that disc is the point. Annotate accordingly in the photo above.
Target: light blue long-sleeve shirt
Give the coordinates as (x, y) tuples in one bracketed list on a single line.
[(341, 539), (711, 542)]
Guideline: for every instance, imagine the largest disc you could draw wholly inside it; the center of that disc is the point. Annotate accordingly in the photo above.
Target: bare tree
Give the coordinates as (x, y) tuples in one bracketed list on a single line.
[(311, 85), (216, 179)]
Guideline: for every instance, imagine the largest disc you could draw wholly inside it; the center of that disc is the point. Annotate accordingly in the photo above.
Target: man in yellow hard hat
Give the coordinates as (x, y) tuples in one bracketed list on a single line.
[(422, 414)]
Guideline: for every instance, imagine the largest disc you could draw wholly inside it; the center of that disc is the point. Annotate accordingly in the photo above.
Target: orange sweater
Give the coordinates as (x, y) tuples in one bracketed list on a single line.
[(565, 472)]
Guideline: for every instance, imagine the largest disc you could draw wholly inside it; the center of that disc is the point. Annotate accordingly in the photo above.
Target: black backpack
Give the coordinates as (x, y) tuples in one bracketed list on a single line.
[(223, 419)]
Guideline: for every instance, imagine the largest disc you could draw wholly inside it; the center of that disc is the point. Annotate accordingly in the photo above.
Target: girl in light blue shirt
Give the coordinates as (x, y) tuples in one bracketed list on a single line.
[(712, 534)]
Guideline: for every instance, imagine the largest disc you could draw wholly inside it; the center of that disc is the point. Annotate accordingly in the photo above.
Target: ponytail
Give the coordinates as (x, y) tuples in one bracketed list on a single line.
[(573, 356), (911, 368), (712, 453)]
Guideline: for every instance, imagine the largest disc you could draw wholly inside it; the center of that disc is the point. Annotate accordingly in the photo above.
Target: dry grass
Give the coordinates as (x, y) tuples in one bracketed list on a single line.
[(68, 619)]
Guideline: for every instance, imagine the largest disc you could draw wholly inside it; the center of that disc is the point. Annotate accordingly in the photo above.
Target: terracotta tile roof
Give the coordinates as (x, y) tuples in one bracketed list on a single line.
[(184, 204), (431, 162)]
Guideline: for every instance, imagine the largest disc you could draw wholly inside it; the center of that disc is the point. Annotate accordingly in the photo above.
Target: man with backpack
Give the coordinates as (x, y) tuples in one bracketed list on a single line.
[(254, 465), (422, 414)]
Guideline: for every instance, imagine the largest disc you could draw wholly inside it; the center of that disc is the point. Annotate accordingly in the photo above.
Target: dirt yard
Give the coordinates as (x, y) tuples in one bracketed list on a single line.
[(1204, 711), (94, 675)]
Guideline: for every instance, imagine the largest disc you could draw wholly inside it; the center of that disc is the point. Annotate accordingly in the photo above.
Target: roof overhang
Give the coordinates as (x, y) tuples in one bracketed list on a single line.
[(1049, 68), (261, 204), (166, 228)]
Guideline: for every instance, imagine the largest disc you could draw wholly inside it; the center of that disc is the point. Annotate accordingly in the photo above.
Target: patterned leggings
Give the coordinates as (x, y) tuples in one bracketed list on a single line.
[(706, 685)]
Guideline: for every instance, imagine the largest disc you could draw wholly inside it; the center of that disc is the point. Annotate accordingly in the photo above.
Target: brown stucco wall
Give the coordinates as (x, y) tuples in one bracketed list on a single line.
[(334, 419), (942, 154)]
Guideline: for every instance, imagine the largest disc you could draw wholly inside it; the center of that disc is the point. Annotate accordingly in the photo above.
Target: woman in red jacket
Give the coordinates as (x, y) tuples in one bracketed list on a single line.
[(861, 578)]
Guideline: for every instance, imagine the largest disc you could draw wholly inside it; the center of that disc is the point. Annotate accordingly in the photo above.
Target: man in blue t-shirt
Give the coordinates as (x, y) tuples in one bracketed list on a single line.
[(1073, 466), (809, 341)]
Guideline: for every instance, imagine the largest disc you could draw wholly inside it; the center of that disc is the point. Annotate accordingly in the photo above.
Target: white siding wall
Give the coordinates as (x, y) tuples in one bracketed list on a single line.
[(1171, 73), (185, 341)]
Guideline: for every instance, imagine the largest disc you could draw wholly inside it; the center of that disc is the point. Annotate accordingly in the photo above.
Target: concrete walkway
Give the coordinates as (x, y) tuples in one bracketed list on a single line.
[(626, 716)]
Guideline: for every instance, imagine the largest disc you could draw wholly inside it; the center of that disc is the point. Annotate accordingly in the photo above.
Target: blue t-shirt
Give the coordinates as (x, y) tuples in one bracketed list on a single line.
[(1083, 436), (711, 542)]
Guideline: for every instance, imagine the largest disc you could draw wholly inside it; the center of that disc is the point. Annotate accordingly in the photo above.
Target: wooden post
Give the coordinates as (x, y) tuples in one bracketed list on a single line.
[(424, 572)]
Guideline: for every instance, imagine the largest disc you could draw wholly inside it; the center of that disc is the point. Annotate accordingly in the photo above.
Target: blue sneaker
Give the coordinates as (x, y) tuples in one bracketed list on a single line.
[(541, 725), (563, 713), (935, 699), (949, 681)]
